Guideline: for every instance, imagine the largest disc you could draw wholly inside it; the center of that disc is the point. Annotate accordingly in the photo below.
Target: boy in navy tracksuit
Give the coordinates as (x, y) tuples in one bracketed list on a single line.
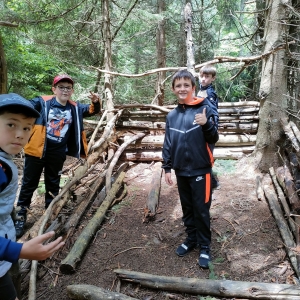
[(207, 76), (57, 132), (17, 117), (190, 130)]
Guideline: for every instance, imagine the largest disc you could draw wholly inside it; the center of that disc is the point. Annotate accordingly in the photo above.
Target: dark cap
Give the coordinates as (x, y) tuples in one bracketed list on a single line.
[(63, 77), (13, 100)]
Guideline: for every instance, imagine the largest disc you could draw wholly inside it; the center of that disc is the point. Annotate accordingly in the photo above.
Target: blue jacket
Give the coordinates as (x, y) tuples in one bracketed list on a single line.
[(187, 147), (211, 95), (9, 250), (77, 144)]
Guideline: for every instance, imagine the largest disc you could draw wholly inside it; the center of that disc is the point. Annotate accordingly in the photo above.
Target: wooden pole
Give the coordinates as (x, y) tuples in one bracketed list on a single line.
[(218, 288)]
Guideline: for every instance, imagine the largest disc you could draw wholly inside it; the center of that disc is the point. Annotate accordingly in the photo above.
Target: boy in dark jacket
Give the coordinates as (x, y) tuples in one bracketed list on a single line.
[(190, 130), (57, 132), (17, 117), (207, 75)]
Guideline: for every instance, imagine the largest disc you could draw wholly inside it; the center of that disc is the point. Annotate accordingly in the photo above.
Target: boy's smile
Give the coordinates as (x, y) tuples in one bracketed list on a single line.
[(183, 89), (15, 131)]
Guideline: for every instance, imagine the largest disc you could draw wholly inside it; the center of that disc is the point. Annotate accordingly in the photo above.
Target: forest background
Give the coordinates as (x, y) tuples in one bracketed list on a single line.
[(128, 50)]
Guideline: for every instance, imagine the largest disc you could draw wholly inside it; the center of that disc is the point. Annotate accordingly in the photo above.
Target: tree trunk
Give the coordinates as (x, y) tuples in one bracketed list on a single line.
[(161, 54), (3, 70), (273, 87), (107, 38)]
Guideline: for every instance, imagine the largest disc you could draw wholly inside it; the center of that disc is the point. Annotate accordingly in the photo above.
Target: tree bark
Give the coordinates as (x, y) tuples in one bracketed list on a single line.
[(3, 69), (218, 288), (273, 87), (161, 54)]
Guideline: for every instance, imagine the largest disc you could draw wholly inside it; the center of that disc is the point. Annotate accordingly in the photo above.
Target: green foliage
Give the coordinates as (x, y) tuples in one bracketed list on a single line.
[(223, 166), (212, 275), (67, 36)]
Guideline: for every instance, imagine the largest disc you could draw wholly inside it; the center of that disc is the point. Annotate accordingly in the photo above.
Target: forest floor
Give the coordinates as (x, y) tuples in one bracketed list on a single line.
[(246, 244)]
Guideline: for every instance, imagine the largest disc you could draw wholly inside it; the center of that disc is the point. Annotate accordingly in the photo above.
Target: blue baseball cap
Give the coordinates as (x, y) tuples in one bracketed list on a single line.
[(13, 100)]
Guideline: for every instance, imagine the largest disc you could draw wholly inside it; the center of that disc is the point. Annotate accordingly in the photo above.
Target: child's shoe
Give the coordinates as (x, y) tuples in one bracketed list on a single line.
[(186, 247), (19, 224), (204, 258)]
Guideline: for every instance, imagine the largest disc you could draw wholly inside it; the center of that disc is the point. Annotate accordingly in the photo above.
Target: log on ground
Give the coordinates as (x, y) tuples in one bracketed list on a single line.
[(282, 225), (153, 195), (91, 292), (69, 264), (218, 288)]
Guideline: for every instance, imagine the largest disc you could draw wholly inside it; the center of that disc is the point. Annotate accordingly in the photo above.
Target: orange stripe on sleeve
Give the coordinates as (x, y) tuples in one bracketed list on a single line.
[(207, 187)]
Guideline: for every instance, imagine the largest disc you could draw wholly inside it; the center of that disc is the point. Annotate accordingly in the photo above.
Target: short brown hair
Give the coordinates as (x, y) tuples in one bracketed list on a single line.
[(209, 70), (183, 74)]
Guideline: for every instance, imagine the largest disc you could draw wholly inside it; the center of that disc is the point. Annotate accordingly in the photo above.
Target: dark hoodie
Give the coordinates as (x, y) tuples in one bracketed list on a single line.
[(186, 146)]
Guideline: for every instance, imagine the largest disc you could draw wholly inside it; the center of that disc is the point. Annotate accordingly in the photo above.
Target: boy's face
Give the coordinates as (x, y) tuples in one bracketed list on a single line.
[(63, 91), (206, 79), (15, 131), (183, 89)]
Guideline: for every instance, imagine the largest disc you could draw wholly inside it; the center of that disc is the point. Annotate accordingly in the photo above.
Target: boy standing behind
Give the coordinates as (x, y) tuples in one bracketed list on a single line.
[(17, 117), (57, 132), (207, 76), (190, 131)]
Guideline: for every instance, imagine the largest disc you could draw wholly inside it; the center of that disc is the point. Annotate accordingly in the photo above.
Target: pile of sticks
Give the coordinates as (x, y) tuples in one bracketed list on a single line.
[(238, 125), (281, 188)]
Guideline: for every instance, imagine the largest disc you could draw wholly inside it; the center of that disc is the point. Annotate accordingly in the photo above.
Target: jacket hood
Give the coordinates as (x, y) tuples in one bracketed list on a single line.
[(193, 101)]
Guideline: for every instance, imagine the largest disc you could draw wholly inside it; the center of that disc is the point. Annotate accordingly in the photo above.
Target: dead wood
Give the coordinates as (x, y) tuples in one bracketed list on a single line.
[(107, 131), (284, 230), (238, 110), (116, 158), (218, 59), (289, 133), (102, 194), (295, 130), (69, 227), (284, 204), (68, 265), (218, 288), (285, 180), (237, 118), (80, 172), (102, 144), (91, 292), (56, 205), (142, 155), (91, 142), (153, 196), (259, 190), (156, 141), (148, 106)]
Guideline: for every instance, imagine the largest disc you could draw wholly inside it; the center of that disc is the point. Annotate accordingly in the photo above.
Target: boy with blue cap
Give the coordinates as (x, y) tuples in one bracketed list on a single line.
[(17, 117)]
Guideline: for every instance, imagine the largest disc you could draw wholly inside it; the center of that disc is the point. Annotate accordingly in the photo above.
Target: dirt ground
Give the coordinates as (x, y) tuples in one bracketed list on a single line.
[(246, 244)]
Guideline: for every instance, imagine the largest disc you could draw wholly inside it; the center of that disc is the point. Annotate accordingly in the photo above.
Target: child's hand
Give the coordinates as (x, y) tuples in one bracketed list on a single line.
[(168, 179), (200, 118), (35, 250), (94, 97)]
